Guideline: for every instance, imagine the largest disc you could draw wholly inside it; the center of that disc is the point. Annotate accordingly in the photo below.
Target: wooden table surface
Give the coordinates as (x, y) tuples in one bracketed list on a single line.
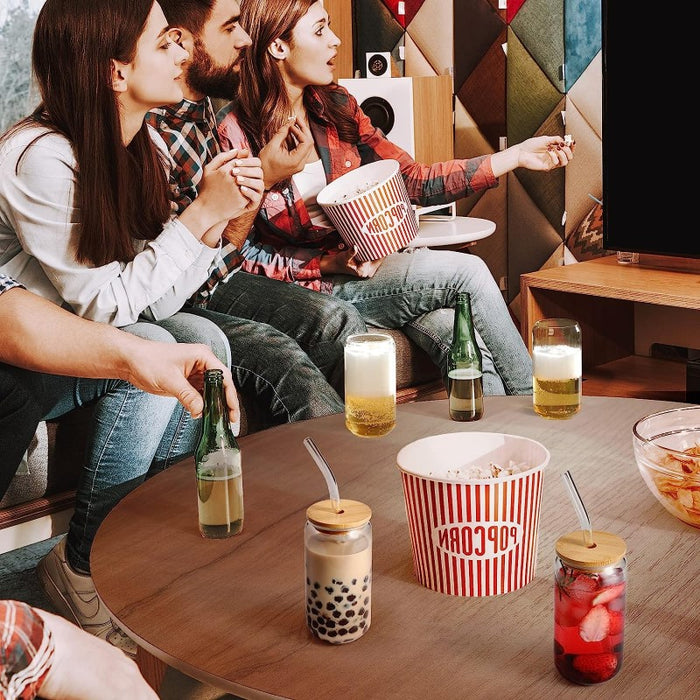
[(231, 612)]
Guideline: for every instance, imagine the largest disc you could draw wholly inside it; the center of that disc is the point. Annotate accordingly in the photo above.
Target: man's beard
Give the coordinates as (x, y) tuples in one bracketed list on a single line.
[(215, 81)]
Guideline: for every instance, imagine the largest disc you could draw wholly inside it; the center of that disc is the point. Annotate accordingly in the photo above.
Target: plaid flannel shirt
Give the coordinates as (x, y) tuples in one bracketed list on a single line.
[(189, 130), (285, 245), (26, 649)]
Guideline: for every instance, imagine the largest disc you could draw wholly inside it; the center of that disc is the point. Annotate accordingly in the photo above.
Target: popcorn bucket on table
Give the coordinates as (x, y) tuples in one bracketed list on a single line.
[(371, 210), (473, 508)]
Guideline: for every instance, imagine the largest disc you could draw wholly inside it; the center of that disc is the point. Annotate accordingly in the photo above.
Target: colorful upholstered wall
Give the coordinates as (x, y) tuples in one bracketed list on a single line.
[(521, 68)]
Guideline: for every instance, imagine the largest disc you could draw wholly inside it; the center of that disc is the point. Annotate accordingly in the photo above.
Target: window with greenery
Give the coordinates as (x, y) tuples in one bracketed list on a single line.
[(18, 95)]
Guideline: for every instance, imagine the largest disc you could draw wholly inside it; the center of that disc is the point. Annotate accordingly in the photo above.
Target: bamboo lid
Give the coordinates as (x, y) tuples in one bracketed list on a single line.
[(352, 514), (608, 549)]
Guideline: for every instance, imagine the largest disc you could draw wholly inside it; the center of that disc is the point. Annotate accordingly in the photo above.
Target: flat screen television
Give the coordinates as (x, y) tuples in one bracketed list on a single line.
[(650, 204)]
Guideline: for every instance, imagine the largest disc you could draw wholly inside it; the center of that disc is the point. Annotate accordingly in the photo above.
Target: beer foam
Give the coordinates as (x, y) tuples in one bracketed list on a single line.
[(370, 370), (553, 362)]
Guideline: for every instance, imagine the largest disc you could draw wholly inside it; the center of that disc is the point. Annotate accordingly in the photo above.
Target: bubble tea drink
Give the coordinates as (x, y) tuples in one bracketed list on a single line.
[(589, 606), (338, 563), (370, 384), (556, 367)]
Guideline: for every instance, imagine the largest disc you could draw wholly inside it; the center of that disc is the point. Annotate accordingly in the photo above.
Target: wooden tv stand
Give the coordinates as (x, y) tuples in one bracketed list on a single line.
[(622, 310)]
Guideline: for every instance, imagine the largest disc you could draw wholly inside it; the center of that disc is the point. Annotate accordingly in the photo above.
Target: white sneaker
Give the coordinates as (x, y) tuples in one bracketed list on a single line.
[(74, 596)]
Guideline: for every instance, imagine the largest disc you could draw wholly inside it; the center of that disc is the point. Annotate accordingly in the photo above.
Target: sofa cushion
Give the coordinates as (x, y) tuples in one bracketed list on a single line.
[(586, 241), (413, 365)]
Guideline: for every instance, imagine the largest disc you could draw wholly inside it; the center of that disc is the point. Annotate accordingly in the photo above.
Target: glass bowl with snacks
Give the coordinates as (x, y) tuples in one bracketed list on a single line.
[(667, 450)]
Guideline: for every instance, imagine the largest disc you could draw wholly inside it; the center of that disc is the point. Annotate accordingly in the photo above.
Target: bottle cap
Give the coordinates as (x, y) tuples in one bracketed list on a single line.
[(608, 549), (352, 514)]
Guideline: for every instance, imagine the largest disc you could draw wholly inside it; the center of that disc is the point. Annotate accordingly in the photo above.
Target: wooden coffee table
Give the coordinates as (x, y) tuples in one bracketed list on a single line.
[(231, 612)]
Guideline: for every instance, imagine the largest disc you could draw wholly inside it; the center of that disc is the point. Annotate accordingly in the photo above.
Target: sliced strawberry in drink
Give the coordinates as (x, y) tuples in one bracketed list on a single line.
[(617, 622), (596, 667), (595, 625), (608, 594)]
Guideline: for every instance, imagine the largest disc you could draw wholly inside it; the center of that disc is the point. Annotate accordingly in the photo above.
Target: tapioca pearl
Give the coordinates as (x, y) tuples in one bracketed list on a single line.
[(317, 585), (336, 614), (329, 590), (342, 632), (345, 589), (343, 622), (332, 633), (364, 588), (361, 611), (338, 598), (313, 593), (322, 630), (354, 629), (318, 604), (352, 597), (330, 606), (350, 613), (366, 601), (365, 614), (354, 582), (363, 624), (330, 624)]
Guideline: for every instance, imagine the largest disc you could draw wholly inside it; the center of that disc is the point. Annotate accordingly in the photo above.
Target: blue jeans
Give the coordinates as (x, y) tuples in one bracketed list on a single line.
[(133, 434), (415, 290), (275, 378), (317, 322)]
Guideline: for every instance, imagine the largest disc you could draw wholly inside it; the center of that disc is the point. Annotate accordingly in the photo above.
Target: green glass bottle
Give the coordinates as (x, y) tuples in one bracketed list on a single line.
[(464, 376), (218, 464)]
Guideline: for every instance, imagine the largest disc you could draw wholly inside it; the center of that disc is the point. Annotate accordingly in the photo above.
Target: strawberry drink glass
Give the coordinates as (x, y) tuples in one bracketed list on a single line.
[(589, 606)]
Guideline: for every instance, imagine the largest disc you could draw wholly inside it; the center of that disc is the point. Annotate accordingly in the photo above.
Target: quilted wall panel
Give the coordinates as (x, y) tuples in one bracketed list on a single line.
[(530, 68)]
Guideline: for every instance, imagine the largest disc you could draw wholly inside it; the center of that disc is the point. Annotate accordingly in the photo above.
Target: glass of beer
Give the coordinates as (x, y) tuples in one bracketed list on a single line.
[(556, 367), (370, 384)]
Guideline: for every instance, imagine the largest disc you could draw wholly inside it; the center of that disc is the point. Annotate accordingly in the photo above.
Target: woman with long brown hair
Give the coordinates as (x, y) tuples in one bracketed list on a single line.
[(85, 222), (289, 71)]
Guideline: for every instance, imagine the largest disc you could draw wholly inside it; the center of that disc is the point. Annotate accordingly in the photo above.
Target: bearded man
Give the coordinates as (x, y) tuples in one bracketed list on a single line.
[(211, 33)]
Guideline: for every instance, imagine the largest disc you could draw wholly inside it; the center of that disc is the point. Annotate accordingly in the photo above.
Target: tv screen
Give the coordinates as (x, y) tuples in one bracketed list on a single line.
[(649, 203)]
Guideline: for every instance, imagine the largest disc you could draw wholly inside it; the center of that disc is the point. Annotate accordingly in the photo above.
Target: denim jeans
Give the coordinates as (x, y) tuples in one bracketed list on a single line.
[(276, 379), (133, 434), (415, 290), (317, 322)]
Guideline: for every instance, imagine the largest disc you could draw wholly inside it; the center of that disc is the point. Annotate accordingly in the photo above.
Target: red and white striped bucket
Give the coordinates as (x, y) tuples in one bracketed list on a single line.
[(473, 537), (370, 209)]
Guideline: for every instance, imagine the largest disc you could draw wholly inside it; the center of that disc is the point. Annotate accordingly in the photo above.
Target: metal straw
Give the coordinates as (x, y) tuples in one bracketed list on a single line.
[(326, 471), (580, 509)]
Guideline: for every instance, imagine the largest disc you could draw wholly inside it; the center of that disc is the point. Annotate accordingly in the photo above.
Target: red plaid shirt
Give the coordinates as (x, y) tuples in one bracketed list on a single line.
[(26, 651), (285, 245)]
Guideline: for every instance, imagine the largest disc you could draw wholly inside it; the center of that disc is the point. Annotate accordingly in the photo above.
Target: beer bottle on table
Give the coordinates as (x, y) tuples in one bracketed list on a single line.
[(464, 377), (218, 465)]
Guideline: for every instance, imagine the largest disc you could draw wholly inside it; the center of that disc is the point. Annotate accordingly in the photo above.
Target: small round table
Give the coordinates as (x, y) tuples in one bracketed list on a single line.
[(460, 231), (231, 612)]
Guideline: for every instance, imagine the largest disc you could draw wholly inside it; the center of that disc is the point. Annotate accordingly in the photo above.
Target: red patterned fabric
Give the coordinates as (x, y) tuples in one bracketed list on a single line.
[(26, 651)]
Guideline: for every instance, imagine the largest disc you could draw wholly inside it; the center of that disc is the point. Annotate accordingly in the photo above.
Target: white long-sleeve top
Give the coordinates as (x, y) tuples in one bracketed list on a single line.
[(39, 229)]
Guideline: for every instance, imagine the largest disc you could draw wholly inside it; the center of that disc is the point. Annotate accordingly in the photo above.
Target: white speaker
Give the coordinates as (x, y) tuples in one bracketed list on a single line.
[(388, 102), (378, 64)]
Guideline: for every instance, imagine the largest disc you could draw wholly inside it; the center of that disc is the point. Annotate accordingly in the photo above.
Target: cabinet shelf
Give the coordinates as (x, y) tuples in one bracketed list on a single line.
[(605, 297)]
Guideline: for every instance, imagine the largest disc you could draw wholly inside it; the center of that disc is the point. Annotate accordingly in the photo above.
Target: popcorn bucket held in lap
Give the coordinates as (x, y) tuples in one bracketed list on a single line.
[(473, 508), (371, 209)]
